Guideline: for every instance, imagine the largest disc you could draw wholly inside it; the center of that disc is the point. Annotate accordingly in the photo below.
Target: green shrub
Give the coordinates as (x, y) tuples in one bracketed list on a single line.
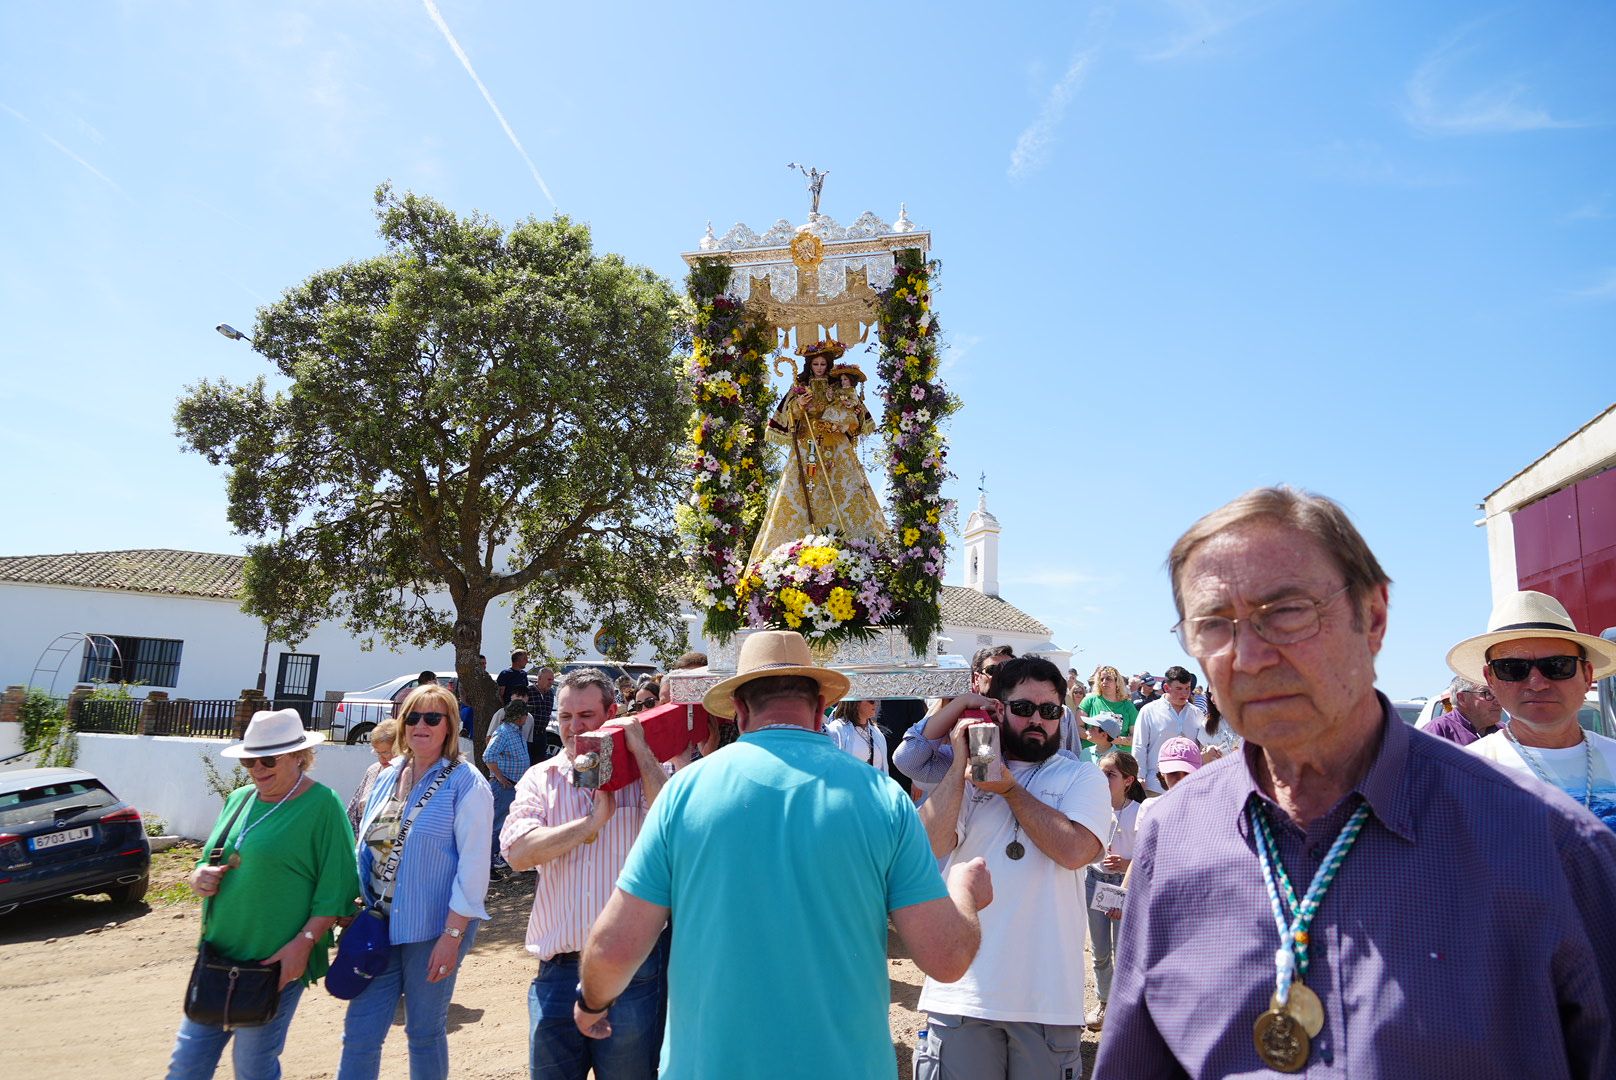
[(153, 824), (46, 731), (218, 783)]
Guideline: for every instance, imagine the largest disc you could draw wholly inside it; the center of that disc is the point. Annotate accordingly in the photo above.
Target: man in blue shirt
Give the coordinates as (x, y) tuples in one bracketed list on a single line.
[(779, 860)]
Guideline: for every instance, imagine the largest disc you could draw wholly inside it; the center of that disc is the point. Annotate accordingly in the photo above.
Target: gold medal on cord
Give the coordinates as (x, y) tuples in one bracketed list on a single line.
[(1281, 1041)]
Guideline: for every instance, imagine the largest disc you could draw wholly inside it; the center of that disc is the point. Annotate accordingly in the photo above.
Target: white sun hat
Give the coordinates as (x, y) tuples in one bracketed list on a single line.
[(1528, 614), (278, 732)]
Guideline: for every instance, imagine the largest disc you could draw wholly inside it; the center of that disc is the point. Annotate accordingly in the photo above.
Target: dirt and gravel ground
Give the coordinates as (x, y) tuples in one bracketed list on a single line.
[(93, 990)]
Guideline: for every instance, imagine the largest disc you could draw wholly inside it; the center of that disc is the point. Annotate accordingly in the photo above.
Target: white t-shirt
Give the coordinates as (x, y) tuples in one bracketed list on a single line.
[(1566, 769), (1124, 829), (1037, 914), (1156, 724), (861, 742)]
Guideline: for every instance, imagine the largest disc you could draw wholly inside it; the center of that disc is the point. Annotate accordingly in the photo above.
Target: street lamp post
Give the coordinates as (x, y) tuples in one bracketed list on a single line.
[(263, 661)]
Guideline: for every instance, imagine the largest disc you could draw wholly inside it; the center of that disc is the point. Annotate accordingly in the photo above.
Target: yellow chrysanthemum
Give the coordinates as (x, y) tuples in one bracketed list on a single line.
[(817, 557), (910, 536), (840, 604)]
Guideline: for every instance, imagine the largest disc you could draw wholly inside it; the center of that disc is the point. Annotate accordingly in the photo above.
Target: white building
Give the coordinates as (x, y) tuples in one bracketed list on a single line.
[(176, 619)]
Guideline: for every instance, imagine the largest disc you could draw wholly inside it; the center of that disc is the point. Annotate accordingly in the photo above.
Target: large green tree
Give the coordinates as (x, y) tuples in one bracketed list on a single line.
[(472, 413)]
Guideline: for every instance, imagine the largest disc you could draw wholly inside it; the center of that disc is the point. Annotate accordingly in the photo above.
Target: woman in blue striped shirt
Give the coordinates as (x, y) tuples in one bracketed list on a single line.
[(436, 898)]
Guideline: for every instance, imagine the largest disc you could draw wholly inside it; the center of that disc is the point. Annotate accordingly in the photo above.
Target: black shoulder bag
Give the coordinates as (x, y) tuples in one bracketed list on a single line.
[(224, 992)]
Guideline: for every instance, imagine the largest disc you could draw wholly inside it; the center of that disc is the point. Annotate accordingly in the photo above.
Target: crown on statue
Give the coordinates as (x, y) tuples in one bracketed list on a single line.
[(829, 347)]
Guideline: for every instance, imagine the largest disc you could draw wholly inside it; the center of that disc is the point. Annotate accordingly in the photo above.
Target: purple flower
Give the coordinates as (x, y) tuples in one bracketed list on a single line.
[(930, 567)]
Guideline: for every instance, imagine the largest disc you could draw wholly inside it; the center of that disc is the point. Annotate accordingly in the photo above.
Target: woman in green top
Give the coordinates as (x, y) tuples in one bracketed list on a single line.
[(1111, 696), (286, 873)]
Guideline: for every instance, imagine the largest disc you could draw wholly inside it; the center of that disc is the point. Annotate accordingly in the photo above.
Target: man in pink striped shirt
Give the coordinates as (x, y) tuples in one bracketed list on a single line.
[(578, 840)]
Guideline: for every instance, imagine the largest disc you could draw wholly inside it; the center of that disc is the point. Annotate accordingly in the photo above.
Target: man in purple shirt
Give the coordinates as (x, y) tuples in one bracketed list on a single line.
[(1420, 939), (1475, 713)]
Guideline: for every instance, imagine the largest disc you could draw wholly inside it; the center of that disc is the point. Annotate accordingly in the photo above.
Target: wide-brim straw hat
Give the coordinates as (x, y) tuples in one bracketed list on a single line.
[(766, 654), (278, 732), (1528, 614)]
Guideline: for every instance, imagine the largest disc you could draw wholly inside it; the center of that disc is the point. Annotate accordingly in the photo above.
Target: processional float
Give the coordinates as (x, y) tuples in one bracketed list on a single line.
[(781, 521)]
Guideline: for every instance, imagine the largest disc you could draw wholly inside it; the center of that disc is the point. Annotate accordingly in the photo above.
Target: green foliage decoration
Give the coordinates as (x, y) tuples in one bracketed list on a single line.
[(729, 464), (917, 451)]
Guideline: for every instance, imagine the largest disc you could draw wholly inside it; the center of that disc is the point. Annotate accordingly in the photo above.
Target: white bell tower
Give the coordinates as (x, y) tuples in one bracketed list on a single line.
[(982, 548)]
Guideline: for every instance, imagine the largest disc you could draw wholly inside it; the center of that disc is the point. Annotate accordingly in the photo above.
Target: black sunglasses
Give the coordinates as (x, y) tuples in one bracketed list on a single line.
[(433, 719), (267, 761), (1558, 668), (1048, 709)]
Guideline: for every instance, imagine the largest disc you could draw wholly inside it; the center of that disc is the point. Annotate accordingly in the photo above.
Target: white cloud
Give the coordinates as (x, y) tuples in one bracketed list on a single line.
[(1601, 291), (959, 347), (1435, 107), (1596, 209), (1204, 22), (1361, 161), (465, 62), (1032, 145)]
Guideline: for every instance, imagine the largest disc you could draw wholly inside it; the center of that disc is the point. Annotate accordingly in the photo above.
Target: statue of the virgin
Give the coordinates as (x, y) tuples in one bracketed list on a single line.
[(820, 420)]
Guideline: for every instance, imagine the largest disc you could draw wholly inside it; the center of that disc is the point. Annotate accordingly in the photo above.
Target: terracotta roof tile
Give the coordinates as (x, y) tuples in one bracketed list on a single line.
[(147, 570), (967, 607)]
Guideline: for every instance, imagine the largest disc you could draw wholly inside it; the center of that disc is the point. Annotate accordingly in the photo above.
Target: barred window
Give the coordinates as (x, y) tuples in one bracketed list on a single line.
[(146, 661)]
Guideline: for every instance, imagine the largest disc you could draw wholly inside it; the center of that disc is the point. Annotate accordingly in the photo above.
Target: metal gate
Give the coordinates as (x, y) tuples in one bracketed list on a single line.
[(294, 683)]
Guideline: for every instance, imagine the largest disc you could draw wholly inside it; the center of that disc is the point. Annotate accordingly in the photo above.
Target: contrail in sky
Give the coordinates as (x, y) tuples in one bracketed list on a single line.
[(465, 62), (103, 177)]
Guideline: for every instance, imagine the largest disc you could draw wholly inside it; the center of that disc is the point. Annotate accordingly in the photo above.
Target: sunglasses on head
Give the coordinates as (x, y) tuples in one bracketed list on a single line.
[(267, 761), (1558, 668), (431, 719), (1048, 709)]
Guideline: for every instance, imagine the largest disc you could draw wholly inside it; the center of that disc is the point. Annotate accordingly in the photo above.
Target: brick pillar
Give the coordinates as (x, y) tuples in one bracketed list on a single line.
[(148, 712), (249, 702), (75, 699), (11, 704)]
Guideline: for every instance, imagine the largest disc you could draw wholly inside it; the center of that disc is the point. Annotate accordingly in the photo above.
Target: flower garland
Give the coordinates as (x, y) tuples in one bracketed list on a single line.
[(824, 586), (917, 453), (728, 461)]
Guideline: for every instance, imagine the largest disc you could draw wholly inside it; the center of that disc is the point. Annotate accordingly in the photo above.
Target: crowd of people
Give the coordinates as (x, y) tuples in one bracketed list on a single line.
[(1271, 873)]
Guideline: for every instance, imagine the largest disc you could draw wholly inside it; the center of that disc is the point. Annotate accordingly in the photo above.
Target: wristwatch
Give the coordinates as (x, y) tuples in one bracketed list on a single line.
[(588, 1008), (454, 932)]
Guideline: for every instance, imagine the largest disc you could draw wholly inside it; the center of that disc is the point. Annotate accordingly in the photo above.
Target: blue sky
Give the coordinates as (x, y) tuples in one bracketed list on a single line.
[(1188, 248)]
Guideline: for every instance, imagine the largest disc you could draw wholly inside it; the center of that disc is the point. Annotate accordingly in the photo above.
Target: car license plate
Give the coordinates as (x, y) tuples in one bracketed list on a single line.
[(57, 839)]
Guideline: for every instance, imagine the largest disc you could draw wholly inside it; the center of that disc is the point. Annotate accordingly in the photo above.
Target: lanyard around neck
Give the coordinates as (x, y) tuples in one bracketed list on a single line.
[(1292, 958)]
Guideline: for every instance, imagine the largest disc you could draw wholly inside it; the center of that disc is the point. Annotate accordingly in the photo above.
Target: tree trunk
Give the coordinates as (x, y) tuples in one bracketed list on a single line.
[(476, 685)]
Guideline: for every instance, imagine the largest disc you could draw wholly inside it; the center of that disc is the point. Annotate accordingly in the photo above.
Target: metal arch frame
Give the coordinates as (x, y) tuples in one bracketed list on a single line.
[(63, 647)]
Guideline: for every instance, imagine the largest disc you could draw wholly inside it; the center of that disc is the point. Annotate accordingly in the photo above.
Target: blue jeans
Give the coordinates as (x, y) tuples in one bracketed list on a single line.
[(557, 1050), (255, 1056), (1104, 933), (426, 1014), (503, 798)]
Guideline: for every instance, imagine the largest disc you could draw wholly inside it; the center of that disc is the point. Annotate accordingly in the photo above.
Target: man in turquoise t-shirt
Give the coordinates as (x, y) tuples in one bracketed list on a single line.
[(779, 859)]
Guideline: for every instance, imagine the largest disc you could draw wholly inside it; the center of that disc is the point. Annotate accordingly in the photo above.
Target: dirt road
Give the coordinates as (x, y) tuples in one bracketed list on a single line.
[(94, 991)]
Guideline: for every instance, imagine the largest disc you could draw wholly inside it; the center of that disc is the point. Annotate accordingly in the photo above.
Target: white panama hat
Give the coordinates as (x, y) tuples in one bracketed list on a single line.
[(268, 733), (1528, 614)]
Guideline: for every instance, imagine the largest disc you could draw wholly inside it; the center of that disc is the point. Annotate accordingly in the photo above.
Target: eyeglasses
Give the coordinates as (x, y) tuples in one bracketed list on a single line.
[(988, 670), (267, 761), (1482, 692), (1047, 709), (1282, 622), (432, 719), (1558, 668)]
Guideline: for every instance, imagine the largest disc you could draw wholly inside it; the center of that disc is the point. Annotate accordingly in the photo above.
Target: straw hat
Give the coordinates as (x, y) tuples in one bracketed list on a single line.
[(768, 653), (1528, 615), (278, 732)]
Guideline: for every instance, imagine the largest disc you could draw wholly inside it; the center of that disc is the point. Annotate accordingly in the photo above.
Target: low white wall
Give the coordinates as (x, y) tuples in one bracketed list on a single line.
[(163, 775)]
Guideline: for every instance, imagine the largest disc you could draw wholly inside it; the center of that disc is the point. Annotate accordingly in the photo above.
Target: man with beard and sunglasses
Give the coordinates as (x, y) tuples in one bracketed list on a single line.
[(1540, 669), (1018, 1010)]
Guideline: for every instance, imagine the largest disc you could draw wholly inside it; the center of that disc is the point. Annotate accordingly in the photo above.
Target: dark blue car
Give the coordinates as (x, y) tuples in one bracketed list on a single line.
[(63, 833)]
